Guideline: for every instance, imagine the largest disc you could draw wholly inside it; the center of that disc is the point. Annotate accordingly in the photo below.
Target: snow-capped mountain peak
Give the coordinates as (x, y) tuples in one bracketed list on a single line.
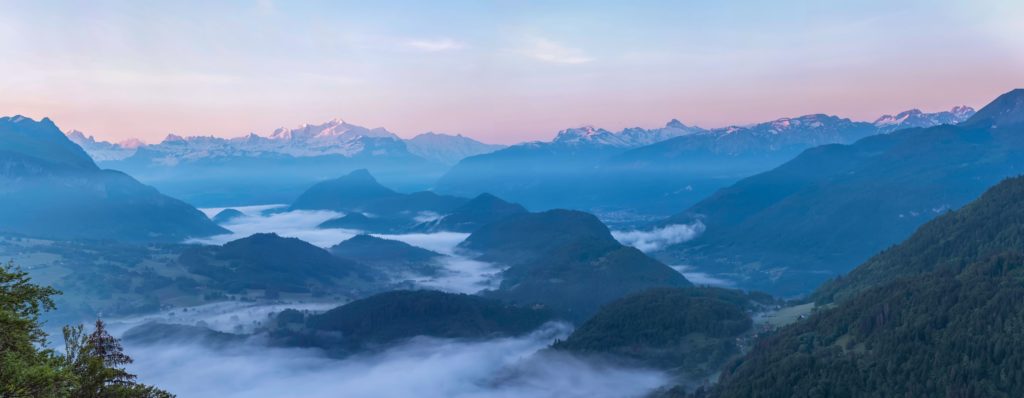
[(334, 137), (918, 118), (590, 135), (335, 129)]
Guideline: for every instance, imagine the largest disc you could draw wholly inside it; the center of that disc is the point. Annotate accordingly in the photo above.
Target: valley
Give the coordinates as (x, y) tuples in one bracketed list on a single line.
[(557, 199)]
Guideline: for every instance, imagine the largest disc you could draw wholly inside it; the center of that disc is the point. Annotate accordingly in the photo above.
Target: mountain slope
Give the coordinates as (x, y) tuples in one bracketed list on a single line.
[(991, 225), (41, 140), (49, 187), (691, 332), (789, 229), (565, 260), (933, 316)]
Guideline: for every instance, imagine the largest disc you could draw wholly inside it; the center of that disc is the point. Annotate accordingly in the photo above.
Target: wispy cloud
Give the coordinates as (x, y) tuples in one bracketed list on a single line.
[(546, 50), (435, 45), (656, 239)]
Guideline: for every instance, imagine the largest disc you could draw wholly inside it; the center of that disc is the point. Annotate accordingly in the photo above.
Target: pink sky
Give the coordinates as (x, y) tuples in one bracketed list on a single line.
[(500, 72)]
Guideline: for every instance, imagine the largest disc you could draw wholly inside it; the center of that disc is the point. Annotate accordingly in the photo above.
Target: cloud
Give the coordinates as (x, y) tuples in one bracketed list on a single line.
[(421, 367), (462, 275), (224, 316), (435, 45), (300, 224), (552, 52), (656, 239), (441, 242), (702, 278)]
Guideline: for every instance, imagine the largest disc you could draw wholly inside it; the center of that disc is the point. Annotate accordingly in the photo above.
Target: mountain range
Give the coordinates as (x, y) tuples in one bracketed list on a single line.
[(254, 169), (335, 137), (817, 216), (659, 170)]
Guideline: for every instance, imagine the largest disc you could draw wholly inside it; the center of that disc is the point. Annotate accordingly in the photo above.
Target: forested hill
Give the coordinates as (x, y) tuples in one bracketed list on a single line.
[(950, 326), (690, 332), (567, 261)]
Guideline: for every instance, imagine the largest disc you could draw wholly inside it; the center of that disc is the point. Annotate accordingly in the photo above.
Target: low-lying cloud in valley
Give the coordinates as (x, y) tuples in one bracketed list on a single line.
[(659, 238), (463, 275), (300, 224), (420, 367)]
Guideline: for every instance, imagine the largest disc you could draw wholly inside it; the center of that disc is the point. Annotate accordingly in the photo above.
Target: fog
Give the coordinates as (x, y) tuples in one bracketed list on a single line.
[(421, 367), (462, 274), (659, 238), (441, 242), (294, 224), (225, 316)]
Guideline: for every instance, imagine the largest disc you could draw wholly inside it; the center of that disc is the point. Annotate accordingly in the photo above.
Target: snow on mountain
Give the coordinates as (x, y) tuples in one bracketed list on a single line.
[(917, 118), (589, 135), (335, 137), (333, 131), (807, 130), (447, 149), (627, 138)]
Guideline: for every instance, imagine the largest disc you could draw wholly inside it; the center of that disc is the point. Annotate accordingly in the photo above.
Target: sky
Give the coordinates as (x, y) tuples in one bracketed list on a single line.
[(499, 71)]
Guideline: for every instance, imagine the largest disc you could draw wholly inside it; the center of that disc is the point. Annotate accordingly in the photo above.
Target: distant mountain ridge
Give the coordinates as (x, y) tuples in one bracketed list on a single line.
[(916, 118), (334, 137), (659, 169), (253, 169)]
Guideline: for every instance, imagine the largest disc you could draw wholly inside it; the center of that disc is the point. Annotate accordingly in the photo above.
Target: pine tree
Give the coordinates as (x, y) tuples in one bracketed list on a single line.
[(98, 361)]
